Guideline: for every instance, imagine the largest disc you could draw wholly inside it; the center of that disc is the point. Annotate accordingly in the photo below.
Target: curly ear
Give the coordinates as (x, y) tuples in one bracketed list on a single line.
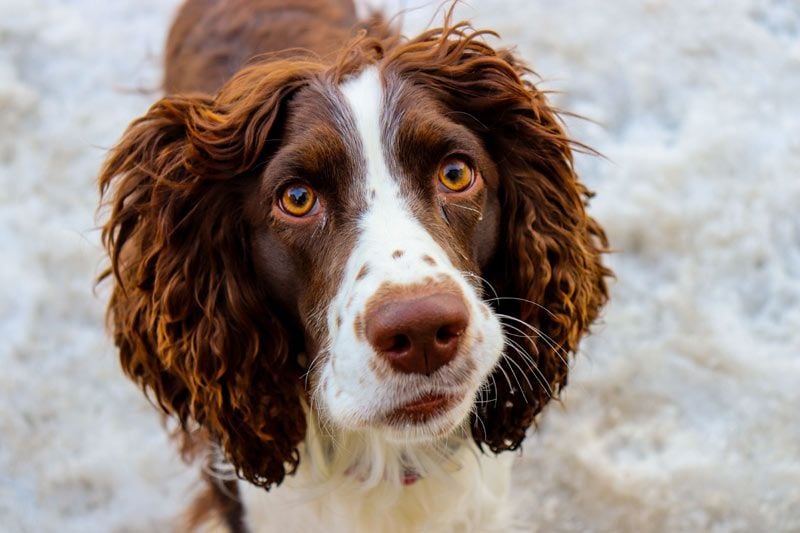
[(192, 325), (548, 274), (549, 278)]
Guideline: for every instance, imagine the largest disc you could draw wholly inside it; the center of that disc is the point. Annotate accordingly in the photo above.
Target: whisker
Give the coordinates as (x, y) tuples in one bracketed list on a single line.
[(526, 356), (482, 280), (524, 374), (478, 419), (521, 389), (316, 362), (480, 215), (494, 386), (484, 389), (538, 374), (519, 332), (542, 335), (503, 371), (522, 334), (539, 334), (540, 306)]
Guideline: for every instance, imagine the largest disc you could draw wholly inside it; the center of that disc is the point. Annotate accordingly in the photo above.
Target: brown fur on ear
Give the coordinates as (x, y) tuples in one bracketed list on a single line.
[(547, 273), (191, 325)]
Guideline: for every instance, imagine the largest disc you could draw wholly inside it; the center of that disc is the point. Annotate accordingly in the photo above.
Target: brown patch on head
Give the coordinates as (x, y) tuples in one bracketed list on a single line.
[(397, 254), (425, 134), (302, 265), (428, 259), (362, 273), (338, 321)]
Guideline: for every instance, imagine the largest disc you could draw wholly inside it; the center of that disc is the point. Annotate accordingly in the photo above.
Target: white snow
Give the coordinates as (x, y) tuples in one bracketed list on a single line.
[(682, 411)]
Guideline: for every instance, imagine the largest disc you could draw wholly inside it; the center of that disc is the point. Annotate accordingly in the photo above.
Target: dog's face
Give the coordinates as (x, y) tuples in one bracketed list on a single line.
[(377, 217), (379, 212)]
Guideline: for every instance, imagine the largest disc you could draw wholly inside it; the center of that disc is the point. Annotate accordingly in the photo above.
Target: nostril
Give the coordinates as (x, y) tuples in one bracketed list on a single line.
[(398, 344), (445, 334)]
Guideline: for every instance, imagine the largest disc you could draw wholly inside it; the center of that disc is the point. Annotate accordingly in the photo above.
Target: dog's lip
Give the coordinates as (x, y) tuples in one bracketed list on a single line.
[(423, 408), (425, 403)]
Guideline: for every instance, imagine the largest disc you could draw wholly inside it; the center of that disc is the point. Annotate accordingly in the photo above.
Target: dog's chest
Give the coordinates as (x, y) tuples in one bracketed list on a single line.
[(473, 498)]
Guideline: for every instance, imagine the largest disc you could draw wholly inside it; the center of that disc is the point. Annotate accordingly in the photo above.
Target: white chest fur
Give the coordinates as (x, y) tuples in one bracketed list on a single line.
[(470, 495)]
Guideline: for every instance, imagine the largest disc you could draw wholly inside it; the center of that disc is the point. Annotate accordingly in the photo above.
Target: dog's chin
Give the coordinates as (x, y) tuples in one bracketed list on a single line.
[(428, 419)]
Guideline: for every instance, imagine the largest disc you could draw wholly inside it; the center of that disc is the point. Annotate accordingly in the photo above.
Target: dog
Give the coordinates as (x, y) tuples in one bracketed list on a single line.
[(349, 263)]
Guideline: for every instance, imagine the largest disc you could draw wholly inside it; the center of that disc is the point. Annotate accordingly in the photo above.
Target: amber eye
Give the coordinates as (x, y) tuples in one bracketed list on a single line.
[(298, 200), (456, 175)]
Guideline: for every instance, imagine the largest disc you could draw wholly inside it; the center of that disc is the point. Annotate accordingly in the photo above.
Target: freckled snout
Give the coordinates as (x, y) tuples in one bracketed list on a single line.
[(418, 334)]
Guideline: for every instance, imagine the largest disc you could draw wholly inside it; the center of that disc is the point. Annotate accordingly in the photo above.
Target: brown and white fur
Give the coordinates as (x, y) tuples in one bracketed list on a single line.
[(376, 344)]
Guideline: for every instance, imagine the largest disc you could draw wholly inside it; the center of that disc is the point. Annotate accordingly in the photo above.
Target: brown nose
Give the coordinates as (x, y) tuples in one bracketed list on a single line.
[(418, 335)]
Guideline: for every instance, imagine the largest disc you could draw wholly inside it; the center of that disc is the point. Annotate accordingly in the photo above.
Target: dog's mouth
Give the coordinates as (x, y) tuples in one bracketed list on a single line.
[(423, 409)]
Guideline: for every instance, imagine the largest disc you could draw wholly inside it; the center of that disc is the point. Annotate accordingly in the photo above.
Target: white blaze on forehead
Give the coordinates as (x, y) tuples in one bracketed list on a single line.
[(364, 95), (387, 223)]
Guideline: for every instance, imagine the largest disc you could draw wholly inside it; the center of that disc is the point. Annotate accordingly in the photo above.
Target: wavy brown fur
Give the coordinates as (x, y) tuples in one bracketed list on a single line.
[(195, 328), (188, 317)]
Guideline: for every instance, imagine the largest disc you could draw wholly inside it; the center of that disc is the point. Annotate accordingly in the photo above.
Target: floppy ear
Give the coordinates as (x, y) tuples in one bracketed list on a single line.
[(192, 325), (547, 271), (548, 274)]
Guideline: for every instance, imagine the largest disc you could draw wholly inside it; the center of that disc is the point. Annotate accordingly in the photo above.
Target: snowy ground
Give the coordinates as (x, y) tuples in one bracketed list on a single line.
[(682, 412)]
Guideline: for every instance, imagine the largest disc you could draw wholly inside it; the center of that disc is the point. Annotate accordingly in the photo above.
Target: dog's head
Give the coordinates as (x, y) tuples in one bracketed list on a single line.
[(398, 240)]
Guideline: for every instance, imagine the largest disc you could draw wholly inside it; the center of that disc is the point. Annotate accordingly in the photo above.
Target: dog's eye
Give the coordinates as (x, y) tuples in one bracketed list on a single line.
[(456, 175), (298, 200)]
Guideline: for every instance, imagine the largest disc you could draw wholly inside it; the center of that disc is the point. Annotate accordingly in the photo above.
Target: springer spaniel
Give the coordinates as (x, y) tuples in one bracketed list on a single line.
[(352, 257)]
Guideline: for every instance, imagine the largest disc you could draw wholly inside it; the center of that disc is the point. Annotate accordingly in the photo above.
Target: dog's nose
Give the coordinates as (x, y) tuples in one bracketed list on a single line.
[(418, 335)]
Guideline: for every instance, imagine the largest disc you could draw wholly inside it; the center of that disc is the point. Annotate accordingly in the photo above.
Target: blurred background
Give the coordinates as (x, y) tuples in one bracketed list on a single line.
[(682, 408)]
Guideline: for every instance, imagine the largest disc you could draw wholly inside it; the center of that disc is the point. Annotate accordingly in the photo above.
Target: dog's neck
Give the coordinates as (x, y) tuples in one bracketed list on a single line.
[(362, 482)]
